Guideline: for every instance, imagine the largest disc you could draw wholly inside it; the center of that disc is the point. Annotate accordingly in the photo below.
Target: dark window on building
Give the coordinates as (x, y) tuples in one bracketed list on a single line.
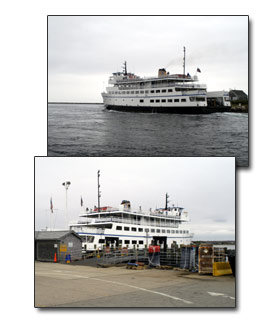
[(183, 100), (137, 92), (127, 242), (140, 230), (126, 228), (146, 92), (157, 90), (164, 90), (170, 90), (168, 231), (157, 101), (141, 242), (101, 241), (119, 228), (163, 101), (163, 231), (170, 100), (152, 91), (152, 230), (134, 241), (176, 100), (146, 230), (141, 101), (134, 229), (151, 101), (158, 230)]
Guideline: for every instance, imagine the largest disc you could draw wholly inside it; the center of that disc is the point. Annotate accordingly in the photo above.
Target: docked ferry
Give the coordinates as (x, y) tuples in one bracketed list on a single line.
[(123, 227), (165, 93)]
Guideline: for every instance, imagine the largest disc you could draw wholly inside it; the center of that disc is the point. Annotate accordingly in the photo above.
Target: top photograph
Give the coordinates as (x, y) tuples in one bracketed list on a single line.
[(149, 86)]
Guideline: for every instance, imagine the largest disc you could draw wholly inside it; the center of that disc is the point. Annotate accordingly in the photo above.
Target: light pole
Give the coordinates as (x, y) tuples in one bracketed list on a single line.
[(66, 185), (99, 192)]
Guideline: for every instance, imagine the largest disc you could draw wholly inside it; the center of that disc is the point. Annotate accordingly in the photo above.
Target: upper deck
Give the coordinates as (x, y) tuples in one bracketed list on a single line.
[(124, 215)]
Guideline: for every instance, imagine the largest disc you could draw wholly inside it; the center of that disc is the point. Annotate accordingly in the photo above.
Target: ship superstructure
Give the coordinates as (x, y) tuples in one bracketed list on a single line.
[(123, 227), (165, 93)]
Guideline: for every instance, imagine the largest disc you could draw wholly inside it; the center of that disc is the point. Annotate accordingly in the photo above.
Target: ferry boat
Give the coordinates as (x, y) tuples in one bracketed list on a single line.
[(123, 227), (165, 93)]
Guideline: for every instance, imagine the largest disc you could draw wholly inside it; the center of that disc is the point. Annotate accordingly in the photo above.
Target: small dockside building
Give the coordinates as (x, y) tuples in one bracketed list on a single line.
[(57, 245)]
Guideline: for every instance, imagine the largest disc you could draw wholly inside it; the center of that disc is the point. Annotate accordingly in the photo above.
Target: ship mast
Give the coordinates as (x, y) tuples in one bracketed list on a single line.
[(166, 201), (125, 68), (99, 192), (184, 60)]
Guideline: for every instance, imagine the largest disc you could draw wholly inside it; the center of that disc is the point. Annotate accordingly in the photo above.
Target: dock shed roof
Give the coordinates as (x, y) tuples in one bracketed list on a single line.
[(54, 235)]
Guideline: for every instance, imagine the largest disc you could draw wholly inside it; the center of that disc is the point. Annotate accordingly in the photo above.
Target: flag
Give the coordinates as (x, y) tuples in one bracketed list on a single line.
[(81, 201), (51, 205), (198, 70)]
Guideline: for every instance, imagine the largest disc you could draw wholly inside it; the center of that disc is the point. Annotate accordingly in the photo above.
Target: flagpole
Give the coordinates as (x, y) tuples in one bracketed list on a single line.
[(51, 211), (50, 222)]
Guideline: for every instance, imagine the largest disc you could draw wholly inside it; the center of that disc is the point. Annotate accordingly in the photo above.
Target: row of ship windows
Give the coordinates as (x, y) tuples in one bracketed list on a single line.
[(126, 228), (192, 99), (169, 90), (125, 241)]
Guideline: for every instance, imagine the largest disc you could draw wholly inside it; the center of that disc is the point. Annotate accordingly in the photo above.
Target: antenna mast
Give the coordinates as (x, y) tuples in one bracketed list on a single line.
[(184, 60), (125, 68), (99, 192), (166, 202)]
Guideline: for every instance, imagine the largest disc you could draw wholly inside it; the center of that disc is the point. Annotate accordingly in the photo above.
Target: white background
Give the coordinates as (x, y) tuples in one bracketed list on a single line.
[(24, 134)]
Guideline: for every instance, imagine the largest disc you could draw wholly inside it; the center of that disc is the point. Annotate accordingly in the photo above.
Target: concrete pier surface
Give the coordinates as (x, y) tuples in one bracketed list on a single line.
[(66, 285)]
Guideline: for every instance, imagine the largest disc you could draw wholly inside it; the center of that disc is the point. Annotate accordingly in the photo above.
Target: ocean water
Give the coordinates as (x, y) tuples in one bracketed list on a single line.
[(90, 130)]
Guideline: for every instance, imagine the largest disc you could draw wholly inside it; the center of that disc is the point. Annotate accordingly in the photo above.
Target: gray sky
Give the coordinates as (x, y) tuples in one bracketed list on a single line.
[(84, 51), (204, 186)]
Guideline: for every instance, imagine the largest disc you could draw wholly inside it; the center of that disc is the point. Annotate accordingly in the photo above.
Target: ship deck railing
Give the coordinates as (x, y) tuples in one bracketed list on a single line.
[(138, 213), (173, 224), (172, 77), (200, 87)]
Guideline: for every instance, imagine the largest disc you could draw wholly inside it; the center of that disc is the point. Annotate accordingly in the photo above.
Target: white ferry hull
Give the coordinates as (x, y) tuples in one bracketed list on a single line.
[(118, 240)]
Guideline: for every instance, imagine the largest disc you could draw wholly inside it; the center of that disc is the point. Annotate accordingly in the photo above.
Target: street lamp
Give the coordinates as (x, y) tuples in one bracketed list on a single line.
[(66, 185), (99, 192)]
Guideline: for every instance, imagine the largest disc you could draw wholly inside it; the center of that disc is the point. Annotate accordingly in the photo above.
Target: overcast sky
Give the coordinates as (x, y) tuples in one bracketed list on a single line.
[(205, 187), (84, 51)]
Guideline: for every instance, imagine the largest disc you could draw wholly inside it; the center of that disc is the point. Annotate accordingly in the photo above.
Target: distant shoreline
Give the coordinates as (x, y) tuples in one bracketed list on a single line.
[(234, 109), (74, 103)]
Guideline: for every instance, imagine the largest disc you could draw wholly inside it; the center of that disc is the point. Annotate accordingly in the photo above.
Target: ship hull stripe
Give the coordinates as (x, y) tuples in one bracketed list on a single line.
[(131, 236), (167, 109)]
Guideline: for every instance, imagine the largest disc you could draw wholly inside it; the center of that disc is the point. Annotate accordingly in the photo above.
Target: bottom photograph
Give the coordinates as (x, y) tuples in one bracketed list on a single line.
[(123, 232)]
